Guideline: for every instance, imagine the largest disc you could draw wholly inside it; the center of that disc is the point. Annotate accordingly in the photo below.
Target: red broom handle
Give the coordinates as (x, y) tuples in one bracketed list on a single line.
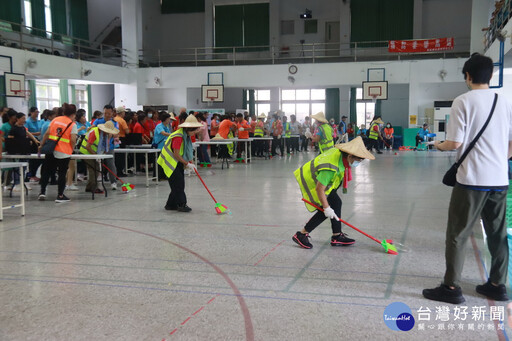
[(113, 173), (344, 222), (199, 176)]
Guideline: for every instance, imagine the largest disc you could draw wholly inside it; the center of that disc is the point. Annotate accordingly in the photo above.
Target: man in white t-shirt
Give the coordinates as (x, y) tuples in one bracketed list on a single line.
[(482, 182)]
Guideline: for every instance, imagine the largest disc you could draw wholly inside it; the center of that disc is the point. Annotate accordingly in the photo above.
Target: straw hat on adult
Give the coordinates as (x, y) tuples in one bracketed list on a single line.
[(108, 128), (173, 117), (217, 137), (356, 148), (320, 117), (120, 110), (262, 116), (190, 122), (378, 121)]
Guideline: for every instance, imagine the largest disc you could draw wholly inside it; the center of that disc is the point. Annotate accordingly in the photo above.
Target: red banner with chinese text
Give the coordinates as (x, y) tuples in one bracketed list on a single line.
[(421, 45)]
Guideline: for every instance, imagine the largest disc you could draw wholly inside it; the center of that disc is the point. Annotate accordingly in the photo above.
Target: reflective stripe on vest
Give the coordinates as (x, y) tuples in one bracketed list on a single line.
[(231, 146), (94, 146), (287, 130), (306, 175), (56, 128), (373, 134), (327, 141), (166, 159)]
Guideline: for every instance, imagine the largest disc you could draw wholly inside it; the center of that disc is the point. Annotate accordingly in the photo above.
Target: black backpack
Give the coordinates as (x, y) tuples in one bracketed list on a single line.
[(17, 141)]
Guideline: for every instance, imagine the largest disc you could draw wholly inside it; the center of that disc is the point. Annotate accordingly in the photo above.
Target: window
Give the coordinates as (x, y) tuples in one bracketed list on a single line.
[(81, 98), (365, 110), (302, 102), (261, 101), (47, 94), (48, 16), (28, 12)]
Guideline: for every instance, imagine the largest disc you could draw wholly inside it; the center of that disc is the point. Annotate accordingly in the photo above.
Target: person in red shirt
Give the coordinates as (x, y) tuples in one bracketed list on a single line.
[(149, 125), (214, 129), (225, 127), (140, 128)]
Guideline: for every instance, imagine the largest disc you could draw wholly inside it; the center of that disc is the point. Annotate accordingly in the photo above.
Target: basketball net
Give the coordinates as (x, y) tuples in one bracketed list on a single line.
[(209, 102), (23, 93), (374, 98)]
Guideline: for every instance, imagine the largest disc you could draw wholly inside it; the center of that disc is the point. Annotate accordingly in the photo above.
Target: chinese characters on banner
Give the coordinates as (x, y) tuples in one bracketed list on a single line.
[(421, 45)]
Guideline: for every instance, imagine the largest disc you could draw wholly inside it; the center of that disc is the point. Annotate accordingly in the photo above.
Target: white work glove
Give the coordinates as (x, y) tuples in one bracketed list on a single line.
[(431, 143), (329, 213), (278, 137), (191, 167), (308, 134), (240, 129)]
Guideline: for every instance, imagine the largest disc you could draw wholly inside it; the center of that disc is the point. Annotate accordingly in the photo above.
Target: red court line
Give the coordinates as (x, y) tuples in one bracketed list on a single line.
[(490, 302), (249, 329), (174, 331), (268, 253), (188, 319), (198, 311)]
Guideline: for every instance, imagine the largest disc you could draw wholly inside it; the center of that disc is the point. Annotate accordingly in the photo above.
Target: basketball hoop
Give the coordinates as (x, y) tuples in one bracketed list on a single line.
[(209, 102), (374, 97), (23, 93)]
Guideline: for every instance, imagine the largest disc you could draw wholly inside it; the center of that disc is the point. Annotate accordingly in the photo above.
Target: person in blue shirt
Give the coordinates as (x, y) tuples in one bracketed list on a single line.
[(81, 123), (108, 113), (163, 130), (33, 124), (422, 134)]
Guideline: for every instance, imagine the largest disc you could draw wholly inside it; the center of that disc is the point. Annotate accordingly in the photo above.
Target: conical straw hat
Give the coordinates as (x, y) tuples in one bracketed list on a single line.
[(190, 122), (356, 147), (378, 121), (262, 116), (108, 128), (217, 137), (320, 117)]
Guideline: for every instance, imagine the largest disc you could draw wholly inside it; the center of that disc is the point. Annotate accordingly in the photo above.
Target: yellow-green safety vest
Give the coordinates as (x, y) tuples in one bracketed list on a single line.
[(306, 175), (287, 130), (258, 131), (231, 146), (94, 146), (327, 142), (374, 135), (166, 160)]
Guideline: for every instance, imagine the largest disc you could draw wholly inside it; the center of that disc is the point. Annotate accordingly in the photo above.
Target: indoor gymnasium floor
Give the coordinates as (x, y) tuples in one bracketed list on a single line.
[(123, 268)]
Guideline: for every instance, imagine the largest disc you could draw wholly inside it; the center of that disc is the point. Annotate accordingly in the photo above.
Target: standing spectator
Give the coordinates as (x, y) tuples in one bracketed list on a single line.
[(334, 131), (124, 130), (108, 112), (82, 128), (342, 130), (33, 123), (482, 182), (96, 115), (277, 132), (149, 124), (204, 135), (306, 127), (243, 133), (351, 132), (214, 129), (62, 127), (388, 136), (9, 120), (295, 132)]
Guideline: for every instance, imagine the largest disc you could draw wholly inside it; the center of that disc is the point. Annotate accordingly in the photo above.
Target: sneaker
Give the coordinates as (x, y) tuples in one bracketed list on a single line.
[(41, 197), (62, 198), (302, 239), (379, 152), (34, 179), (443, 293), (72, 187), (171, 208), (16, 188), (183, 208), (98, 191), (497, 293), (341, 240), (113, 186)]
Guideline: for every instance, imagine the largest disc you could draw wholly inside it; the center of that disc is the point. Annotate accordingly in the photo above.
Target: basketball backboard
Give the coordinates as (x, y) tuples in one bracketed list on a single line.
[(212, 93), (14, 84), (375, 90)]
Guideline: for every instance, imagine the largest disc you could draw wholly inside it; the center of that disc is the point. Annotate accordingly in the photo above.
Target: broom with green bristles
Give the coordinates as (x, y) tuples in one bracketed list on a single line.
[(387, 244), (219, 208)]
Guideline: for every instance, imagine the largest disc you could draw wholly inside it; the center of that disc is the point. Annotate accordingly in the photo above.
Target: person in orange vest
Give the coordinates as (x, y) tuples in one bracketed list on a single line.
[(243, 133), (63, 130)]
